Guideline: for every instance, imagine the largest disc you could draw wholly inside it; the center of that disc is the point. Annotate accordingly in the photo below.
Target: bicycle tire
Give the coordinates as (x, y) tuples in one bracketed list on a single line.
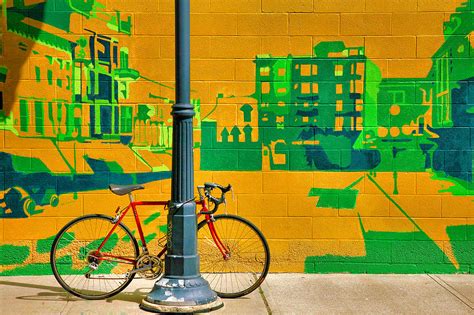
[(58, 261), (209, 256)]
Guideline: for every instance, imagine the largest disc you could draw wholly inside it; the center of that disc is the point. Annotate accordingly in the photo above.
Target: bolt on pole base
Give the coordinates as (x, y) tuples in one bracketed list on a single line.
[(181, 296)]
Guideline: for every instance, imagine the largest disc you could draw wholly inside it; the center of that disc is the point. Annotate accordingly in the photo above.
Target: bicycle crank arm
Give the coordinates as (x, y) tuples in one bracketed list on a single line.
[(106, 278), (145, 268)]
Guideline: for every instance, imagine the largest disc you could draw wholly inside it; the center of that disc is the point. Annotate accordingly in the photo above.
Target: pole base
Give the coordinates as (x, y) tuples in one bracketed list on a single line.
[(181, 296)]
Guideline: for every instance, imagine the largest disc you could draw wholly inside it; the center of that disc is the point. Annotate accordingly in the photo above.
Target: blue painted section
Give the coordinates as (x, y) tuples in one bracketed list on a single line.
[(455, 146), (317, 156), (40, 187), (106, 119)]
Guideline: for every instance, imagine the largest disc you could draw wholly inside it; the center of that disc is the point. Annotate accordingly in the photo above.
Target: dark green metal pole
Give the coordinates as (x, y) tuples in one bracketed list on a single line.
[(182, 289)]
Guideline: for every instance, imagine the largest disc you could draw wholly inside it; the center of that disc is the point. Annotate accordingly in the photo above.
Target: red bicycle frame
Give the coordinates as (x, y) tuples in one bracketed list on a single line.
[(133, 205)]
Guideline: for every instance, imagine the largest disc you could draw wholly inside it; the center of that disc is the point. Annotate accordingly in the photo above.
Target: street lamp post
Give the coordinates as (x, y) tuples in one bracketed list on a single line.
[(182, 289)]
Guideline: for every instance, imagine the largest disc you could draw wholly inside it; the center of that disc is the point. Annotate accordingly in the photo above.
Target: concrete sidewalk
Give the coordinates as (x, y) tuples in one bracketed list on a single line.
[(280, 294)]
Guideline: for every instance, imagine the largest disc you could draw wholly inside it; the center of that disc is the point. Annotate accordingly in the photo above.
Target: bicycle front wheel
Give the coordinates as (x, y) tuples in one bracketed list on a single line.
[(242, 263), (83, 268)]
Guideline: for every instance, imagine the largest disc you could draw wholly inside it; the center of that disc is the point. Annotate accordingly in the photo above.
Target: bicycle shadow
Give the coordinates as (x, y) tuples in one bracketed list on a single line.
[(58, 294)]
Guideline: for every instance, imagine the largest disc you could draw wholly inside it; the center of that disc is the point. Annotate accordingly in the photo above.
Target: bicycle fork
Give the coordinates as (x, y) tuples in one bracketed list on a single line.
[(222, 248)]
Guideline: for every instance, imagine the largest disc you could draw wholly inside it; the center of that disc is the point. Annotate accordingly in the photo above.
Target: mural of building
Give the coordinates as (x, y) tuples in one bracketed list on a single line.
[(78, 94), (311, 108), (452, 75), (237, 147), (333, 110)]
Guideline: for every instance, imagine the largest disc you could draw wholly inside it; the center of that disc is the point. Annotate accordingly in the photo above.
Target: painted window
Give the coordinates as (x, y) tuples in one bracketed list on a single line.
[(124, 58), (38, 73), (50, 77), (77, 79), (265, 87), (281, 90), (39, 117), (359, 86), (103, 50), (359, 125), (126, 119), (305, 70), (24, 115), (339, 70), (264, 71), (305, 88), (339, 123)]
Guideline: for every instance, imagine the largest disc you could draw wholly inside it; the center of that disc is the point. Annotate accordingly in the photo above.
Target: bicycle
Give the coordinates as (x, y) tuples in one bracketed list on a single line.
[(96, 256)]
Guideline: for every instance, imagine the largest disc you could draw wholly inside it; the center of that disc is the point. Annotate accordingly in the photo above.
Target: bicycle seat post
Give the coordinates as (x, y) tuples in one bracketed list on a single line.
[(130, 196)]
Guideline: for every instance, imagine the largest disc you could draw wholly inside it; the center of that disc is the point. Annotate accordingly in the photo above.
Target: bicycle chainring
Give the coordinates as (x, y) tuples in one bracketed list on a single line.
[(155, 265)]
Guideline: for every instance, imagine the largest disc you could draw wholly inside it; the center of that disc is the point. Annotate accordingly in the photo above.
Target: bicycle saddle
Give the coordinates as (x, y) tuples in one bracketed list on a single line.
[(124, 189)]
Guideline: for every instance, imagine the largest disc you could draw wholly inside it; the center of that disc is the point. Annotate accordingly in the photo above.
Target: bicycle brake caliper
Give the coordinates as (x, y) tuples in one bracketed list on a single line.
[(117, 215)]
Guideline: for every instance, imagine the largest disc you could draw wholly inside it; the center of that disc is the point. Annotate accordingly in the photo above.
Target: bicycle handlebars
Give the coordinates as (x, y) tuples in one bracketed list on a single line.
[(207, 188)]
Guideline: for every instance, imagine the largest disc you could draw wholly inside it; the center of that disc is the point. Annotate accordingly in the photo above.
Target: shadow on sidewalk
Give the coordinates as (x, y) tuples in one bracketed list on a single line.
[(59, 294)]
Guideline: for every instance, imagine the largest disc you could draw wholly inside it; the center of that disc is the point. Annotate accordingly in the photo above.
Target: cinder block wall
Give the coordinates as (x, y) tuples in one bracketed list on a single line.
[(345, 126)]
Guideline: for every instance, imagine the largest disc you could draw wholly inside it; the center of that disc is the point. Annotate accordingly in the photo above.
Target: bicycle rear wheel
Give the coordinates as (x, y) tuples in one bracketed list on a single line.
[(246, 265), (83, 270)]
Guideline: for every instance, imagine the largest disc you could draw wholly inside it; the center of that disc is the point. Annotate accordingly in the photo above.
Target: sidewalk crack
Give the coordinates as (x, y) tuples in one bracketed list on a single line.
[(265, 301), (452, 290)]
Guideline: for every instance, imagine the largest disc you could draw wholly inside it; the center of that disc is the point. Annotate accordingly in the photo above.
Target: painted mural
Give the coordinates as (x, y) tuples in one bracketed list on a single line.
[(375, 160), (333, 111), (77, 109)]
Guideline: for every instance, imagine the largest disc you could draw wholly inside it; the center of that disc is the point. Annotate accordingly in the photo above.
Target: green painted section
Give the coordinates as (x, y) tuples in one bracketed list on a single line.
[(462, 242), (3, 74), (150, 237), (152, 218), (397, 252), (28, 165), (458, 187), (12, 254), (335, 198), (44, 246), (163, 228), (407, 252), (114, 167)]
